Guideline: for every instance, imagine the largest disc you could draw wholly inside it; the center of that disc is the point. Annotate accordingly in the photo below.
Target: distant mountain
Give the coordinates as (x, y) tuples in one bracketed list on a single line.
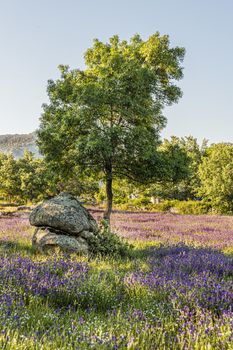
[(18, 143)]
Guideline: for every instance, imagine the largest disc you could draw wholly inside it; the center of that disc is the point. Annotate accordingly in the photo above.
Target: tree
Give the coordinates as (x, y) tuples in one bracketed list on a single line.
[(176, 170), (108, 117), (23, 179), (32, 173), (185, 157), (216, 176), (9, 177), (195, 152)]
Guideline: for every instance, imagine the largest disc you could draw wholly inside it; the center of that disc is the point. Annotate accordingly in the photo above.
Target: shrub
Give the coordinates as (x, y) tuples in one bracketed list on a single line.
[(222, 207), (164, 206), (193, 207), (133, 204), (109, 243), (190, 207)]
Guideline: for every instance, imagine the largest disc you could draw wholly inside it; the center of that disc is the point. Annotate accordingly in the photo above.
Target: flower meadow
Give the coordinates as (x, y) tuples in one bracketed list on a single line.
[(174, 291)]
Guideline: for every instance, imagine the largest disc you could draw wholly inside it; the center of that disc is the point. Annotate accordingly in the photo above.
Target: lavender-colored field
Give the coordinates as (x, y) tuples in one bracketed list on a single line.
[(176, 292), (200, 231), (204, 231)]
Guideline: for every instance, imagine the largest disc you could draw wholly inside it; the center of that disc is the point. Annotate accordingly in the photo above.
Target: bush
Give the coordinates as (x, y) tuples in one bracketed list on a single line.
[(190, 207), (222, 207), (109, 243), (193, 207), (133, 204), (164, 206)]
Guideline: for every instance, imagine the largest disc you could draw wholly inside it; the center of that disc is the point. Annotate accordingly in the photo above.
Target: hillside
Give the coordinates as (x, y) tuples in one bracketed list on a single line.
[(18, 143)]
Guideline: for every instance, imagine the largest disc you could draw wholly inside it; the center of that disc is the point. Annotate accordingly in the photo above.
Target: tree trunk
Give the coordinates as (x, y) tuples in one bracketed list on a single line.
[(109, 194)]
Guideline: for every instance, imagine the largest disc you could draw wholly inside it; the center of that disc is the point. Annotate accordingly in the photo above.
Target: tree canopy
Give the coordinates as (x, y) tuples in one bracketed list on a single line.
[(24, 179), (107, 118), (216, 176)]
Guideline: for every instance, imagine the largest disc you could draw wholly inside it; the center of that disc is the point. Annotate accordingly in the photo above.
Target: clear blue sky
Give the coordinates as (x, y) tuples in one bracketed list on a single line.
[(38, 35)]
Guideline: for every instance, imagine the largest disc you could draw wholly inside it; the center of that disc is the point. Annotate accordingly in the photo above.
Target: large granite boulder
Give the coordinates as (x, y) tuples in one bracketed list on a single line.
[(64, 213), (63, 224), (47, 241)]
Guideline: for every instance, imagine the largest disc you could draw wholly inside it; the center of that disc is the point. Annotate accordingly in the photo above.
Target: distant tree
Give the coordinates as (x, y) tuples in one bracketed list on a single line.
[(32, 173), (186, 159), (187, 187), (3, 157), (195, 152), (216, 176), (9, 177), (107, 118), (176, 168), (24, 179)]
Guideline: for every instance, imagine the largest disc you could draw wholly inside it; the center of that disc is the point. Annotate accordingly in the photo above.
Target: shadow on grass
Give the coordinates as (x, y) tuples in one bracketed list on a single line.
[(160, 250), (13, 247), (106, 287)]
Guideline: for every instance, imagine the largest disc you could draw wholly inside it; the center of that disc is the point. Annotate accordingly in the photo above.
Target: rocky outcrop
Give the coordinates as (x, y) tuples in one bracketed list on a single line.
[(62, 224), (64, 213), (45, 240)]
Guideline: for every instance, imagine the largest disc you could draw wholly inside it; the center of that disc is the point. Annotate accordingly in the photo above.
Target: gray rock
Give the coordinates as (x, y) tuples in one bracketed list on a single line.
[(47, 241), (64, 213), (86, 234)]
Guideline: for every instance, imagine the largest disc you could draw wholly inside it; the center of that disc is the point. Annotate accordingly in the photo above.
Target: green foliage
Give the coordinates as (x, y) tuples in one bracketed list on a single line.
[(192, 207), (174, 170), (176, 160), (183, 157), (165, 205), (195, 152), (216, 177), (108, 243), (81, 184), (140, 202), (23, 180), (32, 176), (143, 203), (9, 177), (108, 117)]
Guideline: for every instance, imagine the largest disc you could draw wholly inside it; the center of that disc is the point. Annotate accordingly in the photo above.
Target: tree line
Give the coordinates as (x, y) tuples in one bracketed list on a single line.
[(194, 172)]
